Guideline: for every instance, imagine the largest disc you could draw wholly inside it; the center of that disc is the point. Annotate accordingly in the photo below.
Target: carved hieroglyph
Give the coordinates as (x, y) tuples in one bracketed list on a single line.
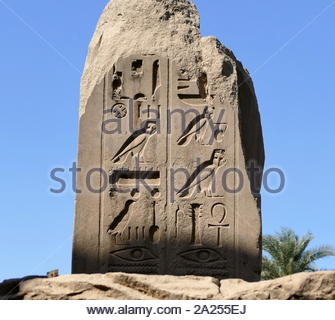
[(163, 211), (159, 160)]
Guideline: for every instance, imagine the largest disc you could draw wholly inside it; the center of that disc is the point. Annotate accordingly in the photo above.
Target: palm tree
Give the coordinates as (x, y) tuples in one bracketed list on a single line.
[(289, 254)]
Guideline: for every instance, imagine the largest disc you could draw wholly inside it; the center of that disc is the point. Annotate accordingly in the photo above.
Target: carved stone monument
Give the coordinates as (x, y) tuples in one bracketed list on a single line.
[(170, 149)]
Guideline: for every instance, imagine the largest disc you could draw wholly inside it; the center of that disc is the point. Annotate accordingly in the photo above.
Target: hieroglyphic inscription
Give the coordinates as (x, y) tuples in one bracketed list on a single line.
[(146, 231)]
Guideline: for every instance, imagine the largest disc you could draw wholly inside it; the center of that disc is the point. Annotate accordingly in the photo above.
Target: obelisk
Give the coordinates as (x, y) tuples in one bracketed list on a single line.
[(170, 149)]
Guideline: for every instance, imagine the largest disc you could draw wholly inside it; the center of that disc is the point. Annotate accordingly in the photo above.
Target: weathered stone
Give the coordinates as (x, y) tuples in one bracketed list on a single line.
[(301, 286), (10, 289), (121, 286), (166, 119)]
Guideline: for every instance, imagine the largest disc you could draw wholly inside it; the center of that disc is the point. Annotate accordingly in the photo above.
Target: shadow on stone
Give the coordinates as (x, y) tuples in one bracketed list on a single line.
[(10, 289), (169, 258)]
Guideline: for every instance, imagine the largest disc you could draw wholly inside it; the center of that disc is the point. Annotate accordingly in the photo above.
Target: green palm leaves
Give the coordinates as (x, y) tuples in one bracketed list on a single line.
[(288, 254)]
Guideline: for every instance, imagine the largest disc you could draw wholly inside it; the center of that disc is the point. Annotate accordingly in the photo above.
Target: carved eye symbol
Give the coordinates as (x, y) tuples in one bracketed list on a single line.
[(201, 255), (138, 254)]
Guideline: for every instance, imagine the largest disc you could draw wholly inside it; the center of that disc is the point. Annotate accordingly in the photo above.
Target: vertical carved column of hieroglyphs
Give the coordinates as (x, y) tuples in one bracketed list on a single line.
[(169, 128), (134, 155), (203, 214)]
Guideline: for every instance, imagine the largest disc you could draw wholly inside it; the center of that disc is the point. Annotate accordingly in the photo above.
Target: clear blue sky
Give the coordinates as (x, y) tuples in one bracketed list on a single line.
[(289, 48)]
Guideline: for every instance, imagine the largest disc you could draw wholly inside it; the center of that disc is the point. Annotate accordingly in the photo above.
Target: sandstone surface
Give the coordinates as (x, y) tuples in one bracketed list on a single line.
[(169, 127), (120, 286)]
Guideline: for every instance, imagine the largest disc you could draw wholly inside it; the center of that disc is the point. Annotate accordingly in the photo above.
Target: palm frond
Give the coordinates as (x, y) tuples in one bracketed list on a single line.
[(288, 254), (270, 269)]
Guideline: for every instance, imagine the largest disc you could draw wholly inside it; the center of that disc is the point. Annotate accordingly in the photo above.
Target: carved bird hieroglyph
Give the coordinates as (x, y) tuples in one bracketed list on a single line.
[(203, 176), (197, 127), (135, 144)]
